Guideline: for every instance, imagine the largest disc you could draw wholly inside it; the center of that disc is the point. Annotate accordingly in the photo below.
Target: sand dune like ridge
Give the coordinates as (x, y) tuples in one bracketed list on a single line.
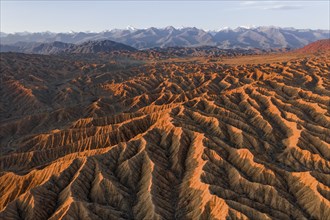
[(165, 140)]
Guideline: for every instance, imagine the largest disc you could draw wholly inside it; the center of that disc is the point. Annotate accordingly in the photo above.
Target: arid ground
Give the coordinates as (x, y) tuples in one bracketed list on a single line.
[(100, 137)]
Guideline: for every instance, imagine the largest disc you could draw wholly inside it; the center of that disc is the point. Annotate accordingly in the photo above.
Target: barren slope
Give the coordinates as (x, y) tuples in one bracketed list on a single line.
[(165, 140), (320, 45)]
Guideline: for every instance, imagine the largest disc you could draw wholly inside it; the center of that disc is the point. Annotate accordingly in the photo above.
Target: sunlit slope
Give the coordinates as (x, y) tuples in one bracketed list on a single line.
[(165, 140)]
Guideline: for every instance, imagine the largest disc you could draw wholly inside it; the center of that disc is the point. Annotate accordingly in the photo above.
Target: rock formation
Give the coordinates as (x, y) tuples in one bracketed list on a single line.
[(92, 138)]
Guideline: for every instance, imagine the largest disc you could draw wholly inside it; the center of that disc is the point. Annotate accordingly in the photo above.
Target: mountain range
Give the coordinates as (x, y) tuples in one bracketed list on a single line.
[(241, 37), (61, 47)]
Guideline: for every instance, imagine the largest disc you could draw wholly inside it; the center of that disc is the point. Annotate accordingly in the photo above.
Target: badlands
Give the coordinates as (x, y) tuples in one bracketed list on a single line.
[(111, 136)]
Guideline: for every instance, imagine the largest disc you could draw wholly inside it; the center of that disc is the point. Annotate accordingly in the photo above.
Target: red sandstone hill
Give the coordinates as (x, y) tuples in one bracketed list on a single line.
[(91, 137), (320, 45)]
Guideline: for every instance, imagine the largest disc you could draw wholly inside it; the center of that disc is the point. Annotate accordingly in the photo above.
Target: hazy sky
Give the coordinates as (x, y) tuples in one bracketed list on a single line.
[(64, 16)]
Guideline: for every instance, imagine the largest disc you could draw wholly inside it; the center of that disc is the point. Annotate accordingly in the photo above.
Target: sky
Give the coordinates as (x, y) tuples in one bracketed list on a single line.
[(97, 16)]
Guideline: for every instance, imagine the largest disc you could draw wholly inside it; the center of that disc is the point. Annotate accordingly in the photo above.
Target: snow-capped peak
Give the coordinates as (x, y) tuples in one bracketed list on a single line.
[(131, 28), (247, 26)]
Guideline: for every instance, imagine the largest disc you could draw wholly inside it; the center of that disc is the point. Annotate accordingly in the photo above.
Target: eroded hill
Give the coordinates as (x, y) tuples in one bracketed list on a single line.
[(170, 139)]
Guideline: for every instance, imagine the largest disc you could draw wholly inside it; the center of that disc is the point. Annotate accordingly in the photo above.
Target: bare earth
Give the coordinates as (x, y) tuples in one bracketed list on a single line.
[(235, 138)]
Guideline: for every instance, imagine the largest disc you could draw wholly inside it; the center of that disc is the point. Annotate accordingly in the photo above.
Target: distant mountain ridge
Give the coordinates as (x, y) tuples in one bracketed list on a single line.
[(61, 47), (242, 37)]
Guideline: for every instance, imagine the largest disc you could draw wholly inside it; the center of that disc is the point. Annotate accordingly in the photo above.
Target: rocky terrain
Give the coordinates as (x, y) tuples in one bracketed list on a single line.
[(100, 137), (114, 48), (318, 46), (241, 37), (89, 47)]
